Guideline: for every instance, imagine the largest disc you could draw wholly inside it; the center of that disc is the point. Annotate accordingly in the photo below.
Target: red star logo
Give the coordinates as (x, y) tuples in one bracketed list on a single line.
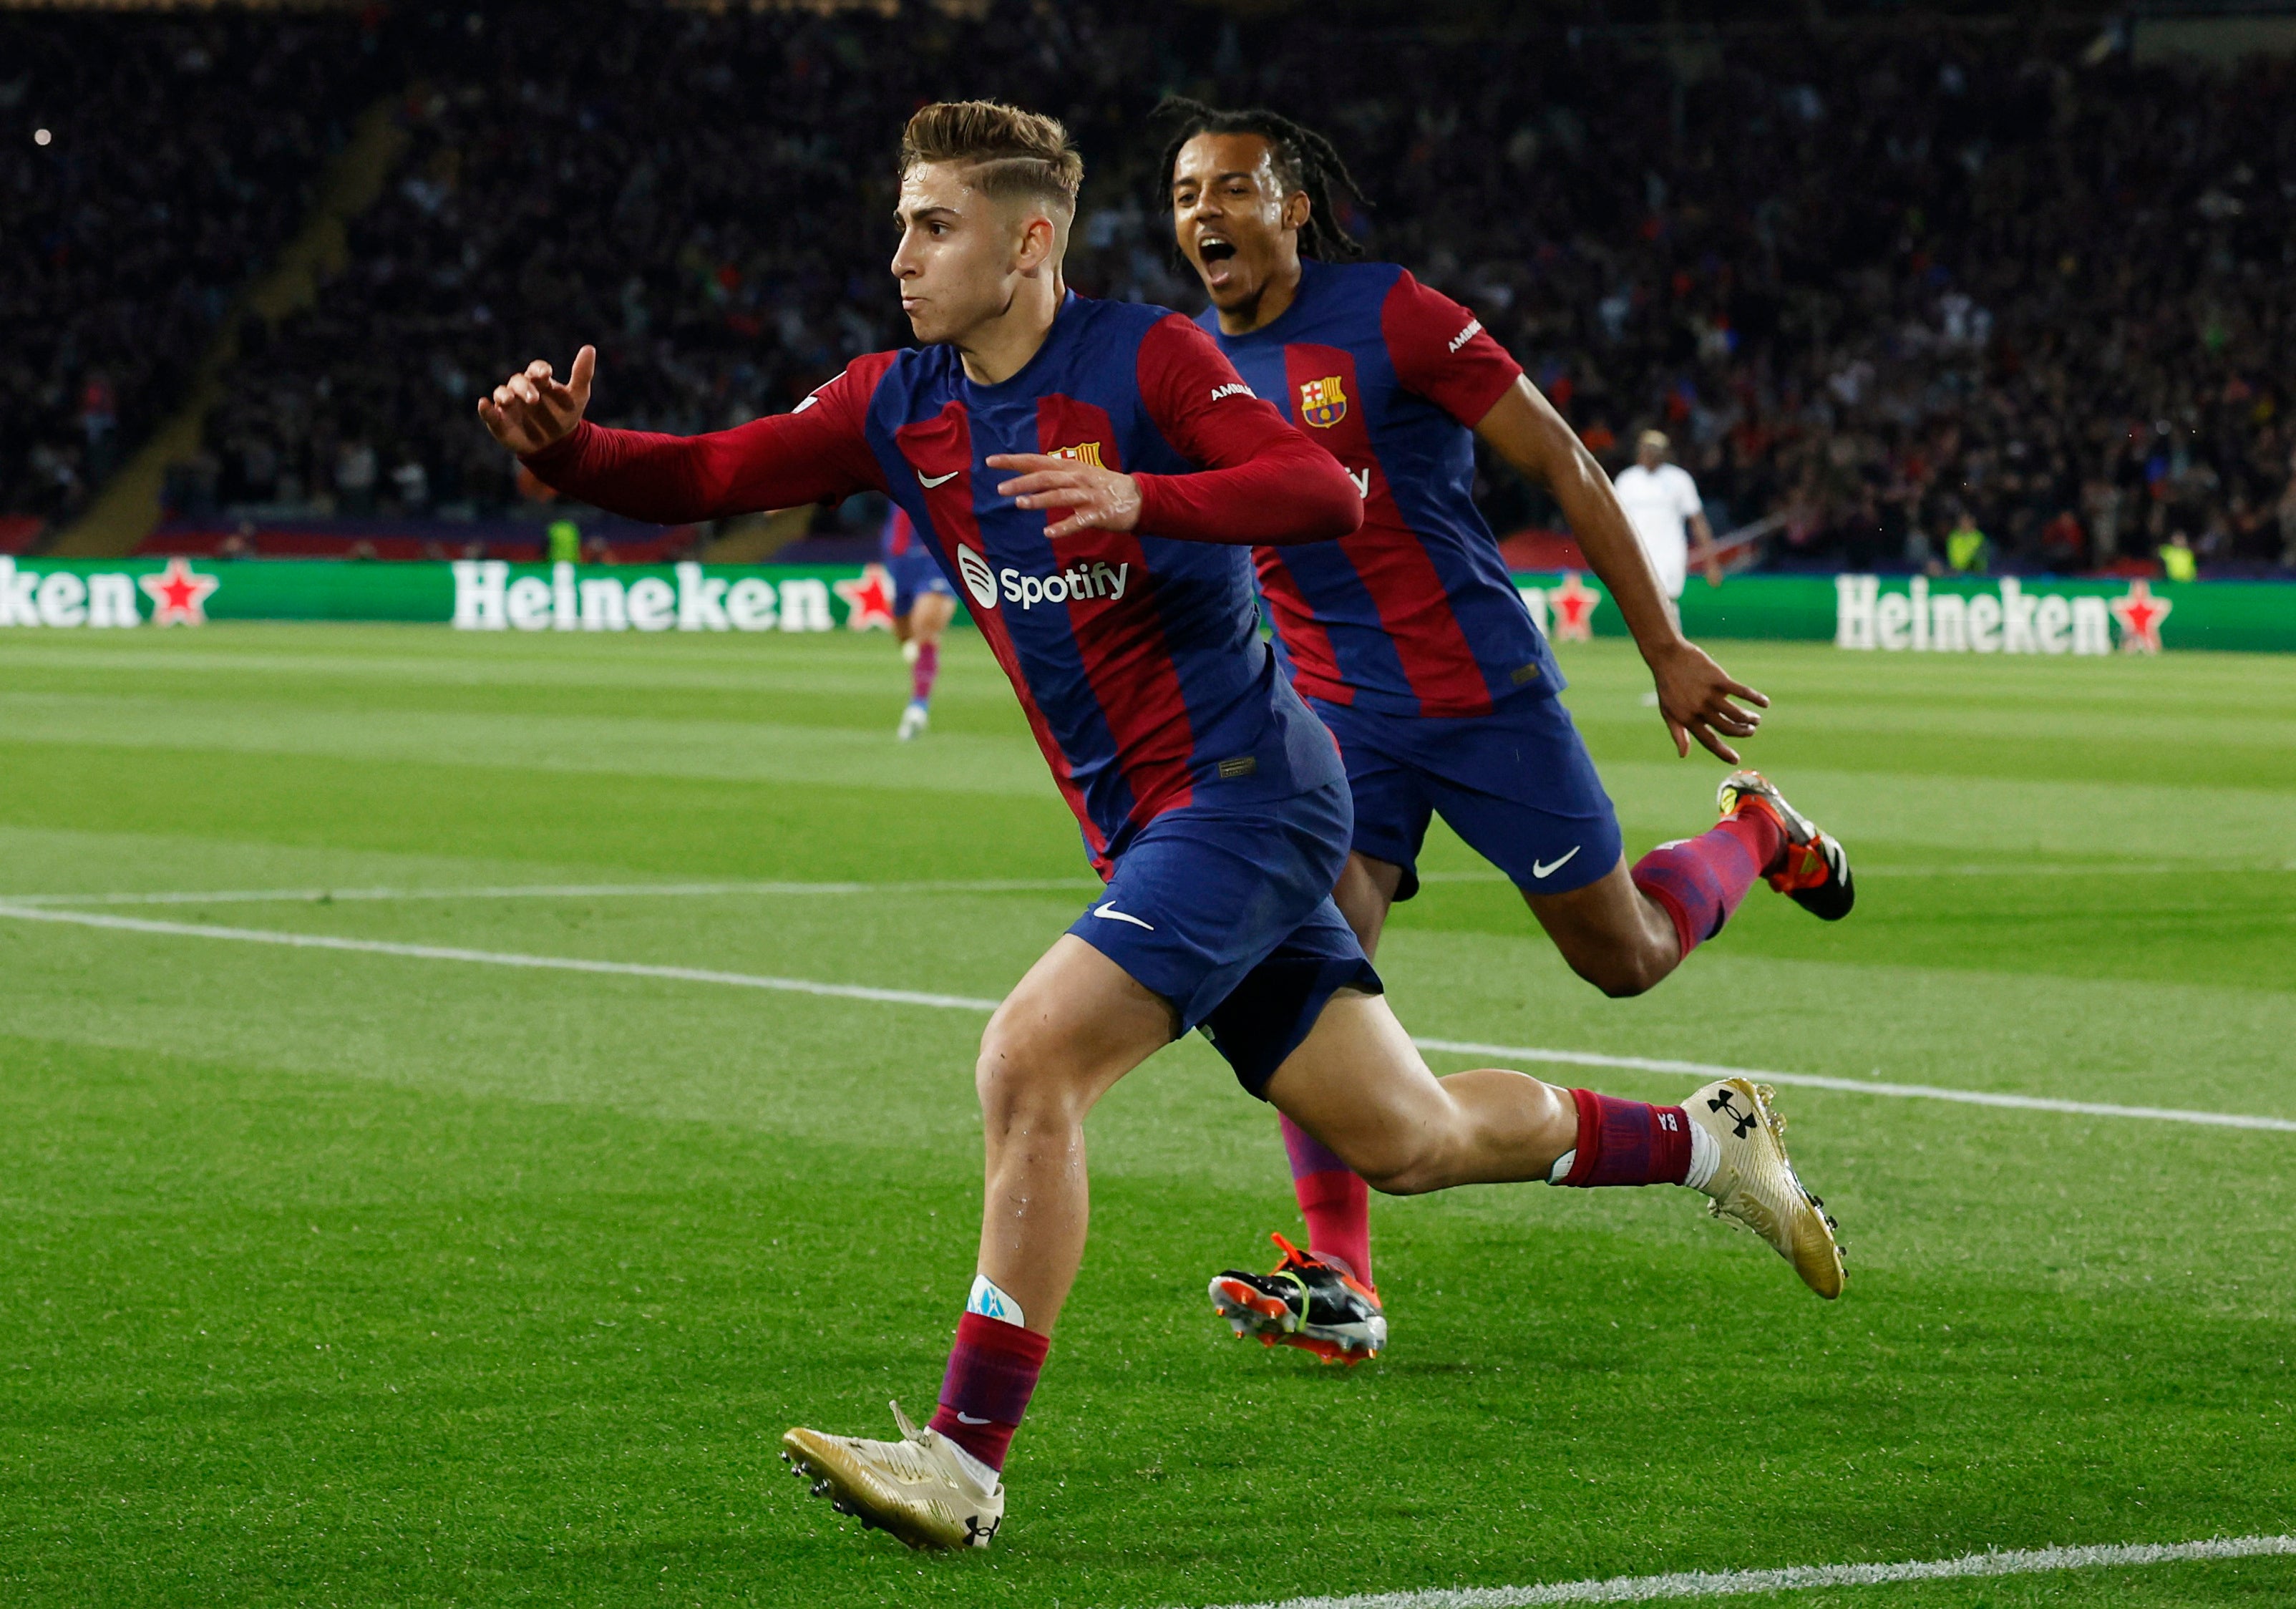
[(1573, 608), (179, 597), (2140, 615), (869, 601)]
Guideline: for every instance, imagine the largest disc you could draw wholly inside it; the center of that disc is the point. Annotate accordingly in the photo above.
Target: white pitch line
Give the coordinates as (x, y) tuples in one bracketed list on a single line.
[(1814, 1080), (1737, 1583), (488, 958), (547, 891), (19, 911)]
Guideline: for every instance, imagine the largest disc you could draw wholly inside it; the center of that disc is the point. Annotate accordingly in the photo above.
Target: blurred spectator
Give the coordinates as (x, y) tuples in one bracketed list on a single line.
[(1871, 277), (1966, 550), (2177, 560), (178, 153)]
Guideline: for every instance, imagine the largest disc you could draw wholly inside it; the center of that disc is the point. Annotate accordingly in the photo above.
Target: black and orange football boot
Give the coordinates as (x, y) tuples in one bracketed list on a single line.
[(1304, 1301), (1814, 873)]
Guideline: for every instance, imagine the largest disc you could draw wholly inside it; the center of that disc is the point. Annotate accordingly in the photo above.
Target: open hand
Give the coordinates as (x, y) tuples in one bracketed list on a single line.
[(1695, 697), (530, 410), (1095, 498)]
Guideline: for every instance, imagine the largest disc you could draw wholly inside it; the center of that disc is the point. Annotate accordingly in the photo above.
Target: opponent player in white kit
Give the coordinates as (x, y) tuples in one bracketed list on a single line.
[(1661, 503)]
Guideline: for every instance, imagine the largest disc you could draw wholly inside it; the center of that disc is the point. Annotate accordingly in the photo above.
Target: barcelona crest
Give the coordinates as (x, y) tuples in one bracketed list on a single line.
[(1321, 402)]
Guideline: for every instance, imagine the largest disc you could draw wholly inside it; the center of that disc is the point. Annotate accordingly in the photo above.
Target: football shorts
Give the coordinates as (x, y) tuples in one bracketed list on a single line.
[(1227, 914), (1517, 785)]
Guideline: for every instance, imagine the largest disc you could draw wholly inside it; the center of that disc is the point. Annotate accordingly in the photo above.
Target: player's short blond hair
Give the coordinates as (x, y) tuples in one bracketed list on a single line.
[(1656, 438), (1007, 153)]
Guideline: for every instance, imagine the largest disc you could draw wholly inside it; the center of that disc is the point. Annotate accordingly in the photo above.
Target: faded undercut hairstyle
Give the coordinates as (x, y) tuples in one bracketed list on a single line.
[(1007, 153), (1304, 159)]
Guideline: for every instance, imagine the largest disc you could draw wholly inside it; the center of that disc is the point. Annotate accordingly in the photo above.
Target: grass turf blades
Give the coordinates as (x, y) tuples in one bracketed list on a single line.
[(341, 1277)]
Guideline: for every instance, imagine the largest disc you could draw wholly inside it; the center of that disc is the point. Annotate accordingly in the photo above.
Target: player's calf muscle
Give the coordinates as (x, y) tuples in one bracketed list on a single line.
[(1361, 1085)]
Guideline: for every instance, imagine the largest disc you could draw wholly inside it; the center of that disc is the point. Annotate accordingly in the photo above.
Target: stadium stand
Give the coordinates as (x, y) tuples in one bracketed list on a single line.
[(1872, 278), (152, 166)]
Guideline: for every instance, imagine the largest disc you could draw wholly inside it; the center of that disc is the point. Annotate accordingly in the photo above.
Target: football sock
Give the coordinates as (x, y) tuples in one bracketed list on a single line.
[(1335, 1202), (1700, 880), (1626, 1143), (922, 671), (992, 1372)]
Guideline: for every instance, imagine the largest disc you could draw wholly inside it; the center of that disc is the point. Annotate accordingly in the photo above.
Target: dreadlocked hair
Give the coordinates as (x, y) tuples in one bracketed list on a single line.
[(1304, 160)]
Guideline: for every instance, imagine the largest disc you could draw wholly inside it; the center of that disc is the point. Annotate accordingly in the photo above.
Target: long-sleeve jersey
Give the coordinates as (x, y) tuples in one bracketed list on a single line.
[(1136, 655), (1414, 614)]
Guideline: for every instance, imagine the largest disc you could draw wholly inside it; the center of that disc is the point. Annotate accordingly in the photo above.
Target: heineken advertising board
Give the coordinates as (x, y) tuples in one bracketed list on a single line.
[(1878, 614)]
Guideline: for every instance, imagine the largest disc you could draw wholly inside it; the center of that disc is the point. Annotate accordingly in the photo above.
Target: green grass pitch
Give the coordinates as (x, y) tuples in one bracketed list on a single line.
[(337, 1278)]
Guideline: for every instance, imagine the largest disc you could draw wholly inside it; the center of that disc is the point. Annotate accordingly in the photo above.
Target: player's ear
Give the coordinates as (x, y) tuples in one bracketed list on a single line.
[(1039, 242), (1296, 209)]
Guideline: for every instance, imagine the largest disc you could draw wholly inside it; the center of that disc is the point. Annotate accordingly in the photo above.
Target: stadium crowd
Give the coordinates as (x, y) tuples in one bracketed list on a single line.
[(1889, 285), (153, 166)]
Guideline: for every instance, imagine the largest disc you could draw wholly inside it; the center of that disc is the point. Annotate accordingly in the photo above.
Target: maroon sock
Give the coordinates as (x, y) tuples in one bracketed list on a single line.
[(923, 671), (992, 1370), (1629, 1141), (1335, 1202), (1700, 880)]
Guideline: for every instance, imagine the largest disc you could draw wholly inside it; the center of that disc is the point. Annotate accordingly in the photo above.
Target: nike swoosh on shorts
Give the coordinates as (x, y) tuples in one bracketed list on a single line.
[(1545, 868), (1109, 912)]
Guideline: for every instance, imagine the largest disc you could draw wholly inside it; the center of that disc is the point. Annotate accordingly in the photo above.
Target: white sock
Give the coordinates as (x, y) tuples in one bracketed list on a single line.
[(979, 1474), (1705, 1156)]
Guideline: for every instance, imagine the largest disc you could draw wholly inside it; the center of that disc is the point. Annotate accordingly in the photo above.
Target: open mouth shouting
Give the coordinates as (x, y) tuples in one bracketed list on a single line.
[(1215, 251)]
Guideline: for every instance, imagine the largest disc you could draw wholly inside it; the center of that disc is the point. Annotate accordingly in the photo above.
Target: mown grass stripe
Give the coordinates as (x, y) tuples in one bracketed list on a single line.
[(1739, 1583), (19, 911), (554, 891)]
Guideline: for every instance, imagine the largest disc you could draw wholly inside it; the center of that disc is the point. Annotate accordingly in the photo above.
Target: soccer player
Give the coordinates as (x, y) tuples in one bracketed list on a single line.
[(1092, 475), (924, 605), (1410, 641), (1662, 505)]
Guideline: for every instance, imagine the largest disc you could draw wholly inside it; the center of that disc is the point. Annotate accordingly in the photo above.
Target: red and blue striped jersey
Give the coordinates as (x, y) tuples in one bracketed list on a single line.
[(900, 537), (1136, 655), (1415, 613)]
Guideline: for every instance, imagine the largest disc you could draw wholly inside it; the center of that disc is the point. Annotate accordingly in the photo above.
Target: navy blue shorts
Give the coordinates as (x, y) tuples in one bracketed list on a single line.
[(1227, 914), (915, 573), (1517, 785)]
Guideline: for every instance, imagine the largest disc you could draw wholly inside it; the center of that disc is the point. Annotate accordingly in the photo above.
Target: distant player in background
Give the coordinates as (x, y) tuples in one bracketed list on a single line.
[(1663, 504), (924, 605), (1409, 639)]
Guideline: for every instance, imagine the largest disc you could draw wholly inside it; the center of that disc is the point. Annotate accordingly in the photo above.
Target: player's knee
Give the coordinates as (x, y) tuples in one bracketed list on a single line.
[(1622, 973), (1400, 1164), (1023, 1077)]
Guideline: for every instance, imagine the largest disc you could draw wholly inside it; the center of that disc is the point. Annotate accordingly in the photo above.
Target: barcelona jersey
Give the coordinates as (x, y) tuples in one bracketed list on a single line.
[(1414, 614), (1135, 655)]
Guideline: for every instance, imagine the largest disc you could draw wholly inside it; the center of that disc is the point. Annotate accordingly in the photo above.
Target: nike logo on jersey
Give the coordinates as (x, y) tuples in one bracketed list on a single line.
[(1106, 910), (1544, 868), (929, 482)]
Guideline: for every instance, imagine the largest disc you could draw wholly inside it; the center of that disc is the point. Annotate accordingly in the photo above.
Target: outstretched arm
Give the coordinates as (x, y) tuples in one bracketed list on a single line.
[(779, 461), (1259, 481), (1694, 693)]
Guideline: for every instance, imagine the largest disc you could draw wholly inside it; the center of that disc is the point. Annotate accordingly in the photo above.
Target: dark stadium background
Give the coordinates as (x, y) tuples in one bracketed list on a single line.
[(1872, 265)]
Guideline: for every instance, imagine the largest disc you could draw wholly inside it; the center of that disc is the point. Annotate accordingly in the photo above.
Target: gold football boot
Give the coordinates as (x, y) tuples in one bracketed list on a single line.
[(1754, 1186), (918, 1487)]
